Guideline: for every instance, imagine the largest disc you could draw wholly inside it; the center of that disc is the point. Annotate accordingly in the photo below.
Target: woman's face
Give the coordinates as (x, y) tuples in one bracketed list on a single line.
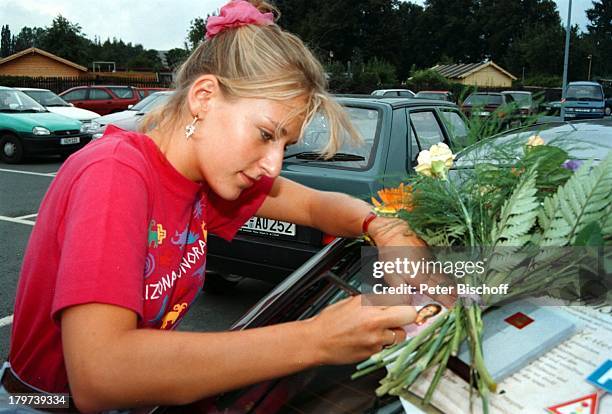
[(236, 142)]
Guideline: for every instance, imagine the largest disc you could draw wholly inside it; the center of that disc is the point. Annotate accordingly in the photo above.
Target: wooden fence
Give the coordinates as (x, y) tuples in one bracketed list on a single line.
[(59, 85)]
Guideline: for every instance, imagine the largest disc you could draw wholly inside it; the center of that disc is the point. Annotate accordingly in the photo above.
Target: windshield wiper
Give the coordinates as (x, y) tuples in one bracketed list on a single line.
[(315, 156)]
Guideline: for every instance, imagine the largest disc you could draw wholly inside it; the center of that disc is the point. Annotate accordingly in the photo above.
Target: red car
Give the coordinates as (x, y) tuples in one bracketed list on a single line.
[(483, 104), (102, 99)]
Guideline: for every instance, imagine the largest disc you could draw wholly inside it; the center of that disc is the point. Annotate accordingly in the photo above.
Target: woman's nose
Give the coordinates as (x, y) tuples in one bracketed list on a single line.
[(272, 162)]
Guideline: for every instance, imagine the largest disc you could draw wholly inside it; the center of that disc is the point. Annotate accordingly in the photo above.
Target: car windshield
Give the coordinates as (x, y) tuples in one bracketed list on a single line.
[(431, 95), (480, 100), (17, 101), (46, 98), (150, 102), (583, 93), (316, 137), (523, 99)]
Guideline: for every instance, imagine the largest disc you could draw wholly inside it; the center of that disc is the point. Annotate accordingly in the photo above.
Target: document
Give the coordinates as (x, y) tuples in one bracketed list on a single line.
[(556, 377)]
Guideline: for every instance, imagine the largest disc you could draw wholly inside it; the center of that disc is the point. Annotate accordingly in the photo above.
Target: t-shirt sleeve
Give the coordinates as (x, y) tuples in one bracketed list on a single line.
[(103, 239), (224, 217)]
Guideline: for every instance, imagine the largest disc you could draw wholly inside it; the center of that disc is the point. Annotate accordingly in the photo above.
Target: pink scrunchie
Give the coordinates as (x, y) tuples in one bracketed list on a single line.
[(235, 14)]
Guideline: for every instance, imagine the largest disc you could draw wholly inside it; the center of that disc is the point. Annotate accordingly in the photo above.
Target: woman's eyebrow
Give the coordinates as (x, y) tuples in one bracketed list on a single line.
[(283, 130)]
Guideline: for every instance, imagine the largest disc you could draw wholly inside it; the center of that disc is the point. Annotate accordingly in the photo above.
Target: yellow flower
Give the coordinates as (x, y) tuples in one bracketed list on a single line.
[(436, 161), (393, 200), (535, 140)]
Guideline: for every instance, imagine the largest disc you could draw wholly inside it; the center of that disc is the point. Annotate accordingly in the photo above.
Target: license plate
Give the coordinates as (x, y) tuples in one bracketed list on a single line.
[(268, 226), (68, 141), (485, 113), (581, 110)]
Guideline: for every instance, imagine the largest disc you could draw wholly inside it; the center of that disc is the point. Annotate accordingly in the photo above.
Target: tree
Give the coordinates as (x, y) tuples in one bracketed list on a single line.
[(65, 39), (600, 34), (5, 42), (176, 56), (197, 31), (28, 37)]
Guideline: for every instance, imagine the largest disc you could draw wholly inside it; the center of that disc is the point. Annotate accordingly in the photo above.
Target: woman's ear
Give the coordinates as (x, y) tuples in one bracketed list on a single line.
[(204, 89)]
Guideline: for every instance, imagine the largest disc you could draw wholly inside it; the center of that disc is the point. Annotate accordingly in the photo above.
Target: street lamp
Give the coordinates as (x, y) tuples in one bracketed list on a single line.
[(590, 58), (566, 58)]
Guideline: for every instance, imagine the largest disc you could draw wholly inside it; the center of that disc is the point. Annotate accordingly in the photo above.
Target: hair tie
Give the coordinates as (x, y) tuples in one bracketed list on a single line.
[(237, 13)]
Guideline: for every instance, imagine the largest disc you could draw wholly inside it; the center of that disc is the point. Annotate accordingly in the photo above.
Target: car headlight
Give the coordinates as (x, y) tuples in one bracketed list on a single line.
[(90, 127), (40, 131), (83, 128)]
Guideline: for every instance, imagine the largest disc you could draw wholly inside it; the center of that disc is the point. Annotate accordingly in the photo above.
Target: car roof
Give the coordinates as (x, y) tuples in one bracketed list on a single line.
[(33, 89), (433, 91), (395, 102), (584, 83), (486, 93), (6, 88), (525, 92)]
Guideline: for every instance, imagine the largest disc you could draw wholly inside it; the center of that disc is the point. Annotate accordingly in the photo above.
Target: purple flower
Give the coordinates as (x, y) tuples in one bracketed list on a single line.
[(572, 165)]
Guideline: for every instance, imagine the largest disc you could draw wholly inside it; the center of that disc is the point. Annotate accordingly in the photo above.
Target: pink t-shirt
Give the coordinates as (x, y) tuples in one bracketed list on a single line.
[(118, 225)]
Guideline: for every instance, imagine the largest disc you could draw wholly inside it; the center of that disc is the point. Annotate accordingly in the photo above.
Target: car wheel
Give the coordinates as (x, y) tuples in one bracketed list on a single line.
[(219, 282), (11, 149), (608, 111)]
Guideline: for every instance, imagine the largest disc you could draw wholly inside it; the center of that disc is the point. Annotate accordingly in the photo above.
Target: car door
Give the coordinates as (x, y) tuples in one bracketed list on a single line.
[(100, 101), (426, 128), (77, 97)]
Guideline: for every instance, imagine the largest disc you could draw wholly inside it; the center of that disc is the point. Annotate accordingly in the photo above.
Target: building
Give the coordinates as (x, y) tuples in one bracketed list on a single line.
[(485, 74), (35, 62)]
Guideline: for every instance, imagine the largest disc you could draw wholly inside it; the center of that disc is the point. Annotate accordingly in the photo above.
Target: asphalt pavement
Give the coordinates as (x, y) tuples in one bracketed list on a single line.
[(22, 188)]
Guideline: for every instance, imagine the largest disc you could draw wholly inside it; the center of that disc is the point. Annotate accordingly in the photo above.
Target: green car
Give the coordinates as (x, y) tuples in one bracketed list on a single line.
[(27, 128)]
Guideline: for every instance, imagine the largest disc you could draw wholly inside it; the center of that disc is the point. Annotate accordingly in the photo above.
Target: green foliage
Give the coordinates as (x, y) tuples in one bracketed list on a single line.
[(196, 33), (176, 56), (384, 71)]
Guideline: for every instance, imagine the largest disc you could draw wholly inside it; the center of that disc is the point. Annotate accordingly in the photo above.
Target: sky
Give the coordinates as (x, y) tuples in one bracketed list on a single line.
[(155, 24)]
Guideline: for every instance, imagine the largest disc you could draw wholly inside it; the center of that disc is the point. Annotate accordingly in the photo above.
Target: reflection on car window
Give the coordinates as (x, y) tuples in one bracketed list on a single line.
[(483, 99), (426, 129), (77, 95), (122, 93), (316, 137), (46, 98), (13, 100), (455, 126), (584, 93), (99, 94)]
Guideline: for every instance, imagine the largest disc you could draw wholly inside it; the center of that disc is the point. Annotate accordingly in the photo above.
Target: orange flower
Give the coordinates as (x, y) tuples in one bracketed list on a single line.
[(392, 200)]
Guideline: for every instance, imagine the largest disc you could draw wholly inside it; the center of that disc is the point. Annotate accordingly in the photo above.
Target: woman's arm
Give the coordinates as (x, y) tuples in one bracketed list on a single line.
[(333, 213), (111, 364)]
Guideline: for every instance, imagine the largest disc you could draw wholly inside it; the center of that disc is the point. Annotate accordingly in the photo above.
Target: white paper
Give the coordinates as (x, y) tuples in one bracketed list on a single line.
[(556, 377)]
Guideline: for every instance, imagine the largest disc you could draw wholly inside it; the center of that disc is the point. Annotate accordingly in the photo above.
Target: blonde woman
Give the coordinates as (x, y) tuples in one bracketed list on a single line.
[(118, 252)]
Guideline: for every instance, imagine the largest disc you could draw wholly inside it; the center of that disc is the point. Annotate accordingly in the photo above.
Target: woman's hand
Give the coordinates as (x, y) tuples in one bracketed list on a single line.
[(391, 231), (351, 331)]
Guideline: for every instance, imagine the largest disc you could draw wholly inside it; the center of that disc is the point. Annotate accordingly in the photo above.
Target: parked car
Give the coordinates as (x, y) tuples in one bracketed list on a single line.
[(608, 107), (102, 99), (144, 92), (389, 93), (485, 104), (524, 99), (394, 131), (583, 100), (53, 103), (312, 287), (26, 128), (441, 95), (130, 118)]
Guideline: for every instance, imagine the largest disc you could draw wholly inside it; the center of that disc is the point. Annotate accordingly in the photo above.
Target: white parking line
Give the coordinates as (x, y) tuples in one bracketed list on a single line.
[(16, 220), (51, 174), (26, 217), (7, 320)]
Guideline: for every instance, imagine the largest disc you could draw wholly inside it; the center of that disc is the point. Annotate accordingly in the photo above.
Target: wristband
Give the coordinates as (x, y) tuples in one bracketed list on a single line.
[(366, 224)]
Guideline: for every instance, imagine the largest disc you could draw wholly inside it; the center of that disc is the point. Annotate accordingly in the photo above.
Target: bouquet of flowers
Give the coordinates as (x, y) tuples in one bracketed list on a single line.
[(527, 196)]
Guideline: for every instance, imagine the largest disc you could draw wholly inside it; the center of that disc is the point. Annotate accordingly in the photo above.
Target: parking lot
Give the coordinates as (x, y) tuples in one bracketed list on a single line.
[(23, 188)]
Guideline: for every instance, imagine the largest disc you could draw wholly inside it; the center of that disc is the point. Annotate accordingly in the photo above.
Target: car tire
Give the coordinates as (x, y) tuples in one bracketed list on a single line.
[(11, 149), (219, 282), (608, 111)]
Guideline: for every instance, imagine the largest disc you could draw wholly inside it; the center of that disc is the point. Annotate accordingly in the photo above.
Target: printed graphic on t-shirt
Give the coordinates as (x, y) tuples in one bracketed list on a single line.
[(157, 234)]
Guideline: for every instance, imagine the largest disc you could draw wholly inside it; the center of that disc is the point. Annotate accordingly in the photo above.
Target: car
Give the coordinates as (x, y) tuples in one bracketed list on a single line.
[(583, 100), (144, 92), (389, 93), (102, 99), (524, 100), (394, 131), (608, 107), (28, 128), (129, 119), (442, 95), (487, 104), (334, 273), (57, 105)]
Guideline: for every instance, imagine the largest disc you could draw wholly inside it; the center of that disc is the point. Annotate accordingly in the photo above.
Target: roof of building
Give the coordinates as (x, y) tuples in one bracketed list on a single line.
[(463, 70), (44, 53)]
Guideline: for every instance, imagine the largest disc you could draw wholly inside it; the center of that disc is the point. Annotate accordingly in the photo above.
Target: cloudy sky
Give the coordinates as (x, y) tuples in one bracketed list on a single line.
[(155, 24)]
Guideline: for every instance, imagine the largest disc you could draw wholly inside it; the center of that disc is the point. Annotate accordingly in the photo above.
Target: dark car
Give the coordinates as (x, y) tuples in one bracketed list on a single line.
[(441, 95), (583, 100), (102, 99), (608, 107), (485, 104), (328, 277), (394, 131)]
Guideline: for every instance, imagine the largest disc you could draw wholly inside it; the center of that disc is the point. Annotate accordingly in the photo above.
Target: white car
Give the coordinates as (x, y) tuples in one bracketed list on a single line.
[(394, 93), (57, 105)]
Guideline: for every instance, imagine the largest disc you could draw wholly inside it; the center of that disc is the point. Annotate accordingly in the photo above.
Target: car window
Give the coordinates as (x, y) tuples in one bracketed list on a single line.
[(122, 93), (99, 94), (76, 95), (46, 98), (406, 93), (16, 101), (142, 94), (391, 93), (522, 98), (483, 99), (455, 125), (584, 93), (316, 137), (426, 129), (151, 102)]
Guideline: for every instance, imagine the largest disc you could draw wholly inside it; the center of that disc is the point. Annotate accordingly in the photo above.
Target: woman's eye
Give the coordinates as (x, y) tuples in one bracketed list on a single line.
[(266, 136)]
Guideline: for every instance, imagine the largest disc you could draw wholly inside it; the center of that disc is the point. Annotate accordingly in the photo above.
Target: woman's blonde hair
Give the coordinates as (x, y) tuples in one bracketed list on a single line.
[(259, 62)]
